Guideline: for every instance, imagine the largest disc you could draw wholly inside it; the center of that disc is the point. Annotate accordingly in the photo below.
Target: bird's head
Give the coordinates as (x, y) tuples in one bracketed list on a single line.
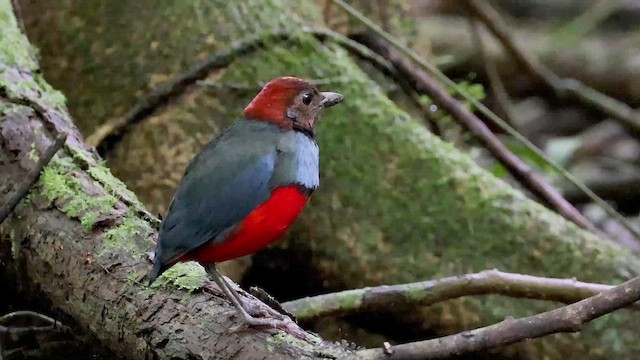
[(291, 103)]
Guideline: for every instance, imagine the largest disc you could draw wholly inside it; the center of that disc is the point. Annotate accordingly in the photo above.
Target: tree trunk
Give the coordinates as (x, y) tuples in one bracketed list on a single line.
[(79, 238), (396, 204)]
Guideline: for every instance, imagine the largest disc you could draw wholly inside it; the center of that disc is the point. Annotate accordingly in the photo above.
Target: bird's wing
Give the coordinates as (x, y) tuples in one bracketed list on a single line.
[(221, 186)]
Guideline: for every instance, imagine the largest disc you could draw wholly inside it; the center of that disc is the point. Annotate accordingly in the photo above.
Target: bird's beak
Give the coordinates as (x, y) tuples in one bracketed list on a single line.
[(330, 99)]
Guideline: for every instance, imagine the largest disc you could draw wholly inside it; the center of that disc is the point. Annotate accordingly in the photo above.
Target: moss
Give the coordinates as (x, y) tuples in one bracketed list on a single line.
[(348, 300), (61, 186), (17, 52), (416, 294), (8, 108), (15, 49), (50, 95), (80, 156), (15, 243), (309, 344), (33, 153), (102, 174), (23, 87), (187, 276), (121, 238), (309, 311), (282, 338), (132, 278), (112, 184)]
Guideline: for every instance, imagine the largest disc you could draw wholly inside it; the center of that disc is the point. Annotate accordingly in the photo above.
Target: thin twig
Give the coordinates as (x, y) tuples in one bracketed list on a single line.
[(433, 70), (580, 26), (110, 133), (565, 88), (570, 318), (499, 91), (27, 313), (32, 177), (427, 293), (15, 333), (516, 167)]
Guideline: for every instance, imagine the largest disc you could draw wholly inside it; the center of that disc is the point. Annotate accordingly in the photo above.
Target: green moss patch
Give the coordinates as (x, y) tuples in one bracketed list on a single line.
[(63, 186), (15, 49), (416, 293), (112, 184), (283, 338), (187, 276), (122, 237)]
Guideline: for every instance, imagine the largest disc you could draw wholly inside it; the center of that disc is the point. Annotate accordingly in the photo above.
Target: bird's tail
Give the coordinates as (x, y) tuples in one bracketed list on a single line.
[(158, 269)]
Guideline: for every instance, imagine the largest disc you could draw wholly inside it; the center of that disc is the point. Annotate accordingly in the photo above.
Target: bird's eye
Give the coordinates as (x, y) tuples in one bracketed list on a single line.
[(306, 99)]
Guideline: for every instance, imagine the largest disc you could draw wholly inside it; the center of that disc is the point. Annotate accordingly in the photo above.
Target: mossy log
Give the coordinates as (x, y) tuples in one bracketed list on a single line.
[(79, 238), (396, 204)]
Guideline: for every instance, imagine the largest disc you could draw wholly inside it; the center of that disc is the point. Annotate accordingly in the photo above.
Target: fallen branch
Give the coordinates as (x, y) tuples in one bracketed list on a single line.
[(564, 88), (426, 293), (570, 318)]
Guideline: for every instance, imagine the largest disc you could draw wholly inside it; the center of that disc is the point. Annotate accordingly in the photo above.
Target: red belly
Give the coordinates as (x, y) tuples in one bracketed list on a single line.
[(264, 225)]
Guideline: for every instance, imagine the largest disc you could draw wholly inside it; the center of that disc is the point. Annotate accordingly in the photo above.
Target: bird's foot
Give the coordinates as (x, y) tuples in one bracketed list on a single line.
[(257, 310), (254, 307), (270, 325)]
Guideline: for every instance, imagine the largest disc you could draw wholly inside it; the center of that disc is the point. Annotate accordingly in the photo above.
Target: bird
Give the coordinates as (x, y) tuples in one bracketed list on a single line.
[(246, 187)]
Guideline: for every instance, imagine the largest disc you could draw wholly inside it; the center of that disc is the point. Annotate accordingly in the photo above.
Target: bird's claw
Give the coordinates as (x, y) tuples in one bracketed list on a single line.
[(271, 325), (260, 311)]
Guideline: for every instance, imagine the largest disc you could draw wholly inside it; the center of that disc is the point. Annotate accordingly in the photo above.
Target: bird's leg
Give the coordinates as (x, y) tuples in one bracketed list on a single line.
[(283, 323), (250, 307)]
